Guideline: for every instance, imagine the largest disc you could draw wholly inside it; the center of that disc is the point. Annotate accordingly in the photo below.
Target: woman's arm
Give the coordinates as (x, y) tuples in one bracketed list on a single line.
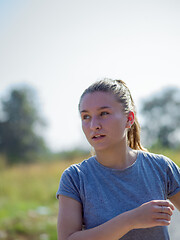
[(176, 200), (154, 213), (69, 217)]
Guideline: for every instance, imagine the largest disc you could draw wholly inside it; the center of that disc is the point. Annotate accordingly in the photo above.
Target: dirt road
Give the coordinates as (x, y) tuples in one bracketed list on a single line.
[(174, 228)]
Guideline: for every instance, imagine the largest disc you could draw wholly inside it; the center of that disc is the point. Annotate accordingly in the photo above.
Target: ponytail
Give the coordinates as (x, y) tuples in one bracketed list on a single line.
[(133, 136)]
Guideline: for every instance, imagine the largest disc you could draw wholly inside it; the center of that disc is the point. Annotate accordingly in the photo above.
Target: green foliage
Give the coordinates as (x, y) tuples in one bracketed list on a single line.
[(18, 126), (73, 154), (161, 118), (28, 204)]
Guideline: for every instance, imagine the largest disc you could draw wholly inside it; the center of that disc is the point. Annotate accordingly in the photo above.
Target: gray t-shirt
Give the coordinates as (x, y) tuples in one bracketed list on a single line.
[(105, 193)]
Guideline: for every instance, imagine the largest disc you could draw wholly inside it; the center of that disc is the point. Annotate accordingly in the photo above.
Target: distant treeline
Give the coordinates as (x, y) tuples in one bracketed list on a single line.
[(21, 125)]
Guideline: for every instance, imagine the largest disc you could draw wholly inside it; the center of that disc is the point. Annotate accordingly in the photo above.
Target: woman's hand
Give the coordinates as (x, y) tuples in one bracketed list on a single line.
[(153, 213)]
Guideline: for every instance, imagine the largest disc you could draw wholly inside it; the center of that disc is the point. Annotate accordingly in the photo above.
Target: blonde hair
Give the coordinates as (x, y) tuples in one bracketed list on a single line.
[(122, 94)]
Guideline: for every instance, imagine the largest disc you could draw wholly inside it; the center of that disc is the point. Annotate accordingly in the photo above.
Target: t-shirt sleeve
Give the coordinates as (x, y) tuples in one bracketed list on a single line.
[(173, 178), (69, 184)]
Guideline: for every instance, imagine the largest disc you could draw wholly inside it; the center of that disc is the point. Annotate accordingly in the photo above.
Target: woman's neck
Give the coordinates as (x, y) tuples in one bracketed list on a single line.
[(119, 159)]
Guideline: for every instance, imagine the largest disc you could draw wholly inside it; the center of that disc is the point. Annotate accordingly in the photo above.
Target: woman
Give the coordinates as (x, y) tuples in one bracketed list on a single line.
[(122, 191)]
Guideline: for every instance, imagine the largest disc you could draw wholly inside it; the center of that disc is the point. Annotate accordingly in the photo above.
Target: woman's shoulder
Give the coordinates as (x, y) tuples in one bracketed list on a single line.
[(156, 158), (152, 155), (81, 167)]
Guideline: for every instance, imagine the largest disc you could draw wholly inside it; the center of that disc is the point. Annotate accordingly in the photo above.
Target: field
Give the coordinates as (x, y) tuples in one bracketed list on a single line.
[(28, 207)]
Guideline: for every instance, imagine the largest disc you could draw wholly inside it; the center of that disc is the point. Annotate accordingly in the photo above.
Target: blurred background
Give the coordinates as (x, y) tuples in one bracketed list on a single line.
[(50, 51)]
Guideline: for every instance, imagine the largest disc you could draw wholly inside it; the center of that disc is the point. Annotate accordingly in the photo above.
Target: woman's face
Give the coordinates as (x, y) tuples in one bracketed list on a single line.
[(103, 121)]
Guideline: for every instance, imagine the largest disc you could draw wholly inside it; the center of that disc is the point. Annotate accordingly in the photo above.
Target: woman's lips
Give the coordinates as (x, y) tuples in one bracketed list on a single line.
[(98, 136)]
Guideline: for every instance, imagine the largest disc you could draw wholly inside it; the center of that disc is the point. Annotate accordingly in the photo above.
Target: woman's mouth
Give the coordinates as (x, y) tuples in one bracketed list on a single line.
[(98, 137)]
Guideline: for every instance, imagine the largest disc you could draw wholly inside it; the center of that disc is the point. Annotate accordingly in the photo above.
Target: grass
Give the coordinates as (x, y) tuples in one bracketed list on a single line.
[(28, 206)]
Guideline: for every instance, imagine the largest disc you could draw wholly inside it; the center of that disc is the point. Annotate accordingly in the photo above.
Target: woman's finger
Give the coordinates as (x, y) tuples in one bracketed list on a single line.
[(165, 203), (164, 209), (164, 216)]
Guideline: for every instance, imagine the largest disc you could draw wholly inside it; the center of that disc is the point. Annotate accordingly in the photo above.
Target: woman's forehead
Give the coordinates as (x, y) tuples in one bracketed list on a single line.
[(98, 100)]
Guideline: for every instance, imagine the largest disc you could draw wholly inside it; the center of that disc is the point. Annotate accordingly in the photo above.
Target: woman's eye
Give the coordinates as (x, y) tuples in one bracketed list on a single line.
[(104, 113), (85, 117)]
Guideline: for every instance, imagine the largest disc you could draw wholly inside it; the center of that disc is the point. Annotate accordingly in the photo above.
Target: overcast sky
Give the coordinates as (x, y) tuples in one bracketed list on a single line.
[(60, 47)]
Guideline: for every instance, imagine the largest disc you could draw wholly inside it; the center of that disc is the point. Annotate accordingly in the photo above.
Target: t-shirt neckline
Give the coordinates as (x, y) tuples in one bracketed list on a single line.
[(119, 170)]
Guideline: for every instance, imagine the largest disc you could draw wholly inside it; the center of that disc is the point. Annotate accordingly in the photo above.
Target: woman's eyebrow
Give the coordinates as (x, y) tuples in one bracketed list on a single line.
[(103, 107)]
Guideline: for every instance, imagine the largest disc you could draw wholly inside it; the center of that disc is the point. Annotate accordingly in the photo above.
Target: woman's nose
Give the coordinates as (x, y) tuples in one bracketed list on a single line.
[(95, 124)]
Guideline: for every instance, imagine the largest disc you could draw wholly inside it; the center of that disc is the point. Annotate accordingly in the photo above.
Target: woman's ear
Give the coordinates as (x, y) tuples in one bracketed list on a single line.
[(130, 119)]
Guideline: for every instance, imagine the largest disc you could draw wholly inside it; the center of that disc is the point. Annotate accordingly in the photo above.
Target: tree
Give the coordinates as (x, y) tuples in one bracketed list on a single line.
[(161, 115), (18, 126)]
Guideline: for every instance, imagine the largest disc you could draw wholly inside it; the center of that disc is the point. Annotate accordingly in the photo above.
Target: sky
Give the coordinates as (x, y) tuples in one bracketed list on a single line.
[(60, 47)]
